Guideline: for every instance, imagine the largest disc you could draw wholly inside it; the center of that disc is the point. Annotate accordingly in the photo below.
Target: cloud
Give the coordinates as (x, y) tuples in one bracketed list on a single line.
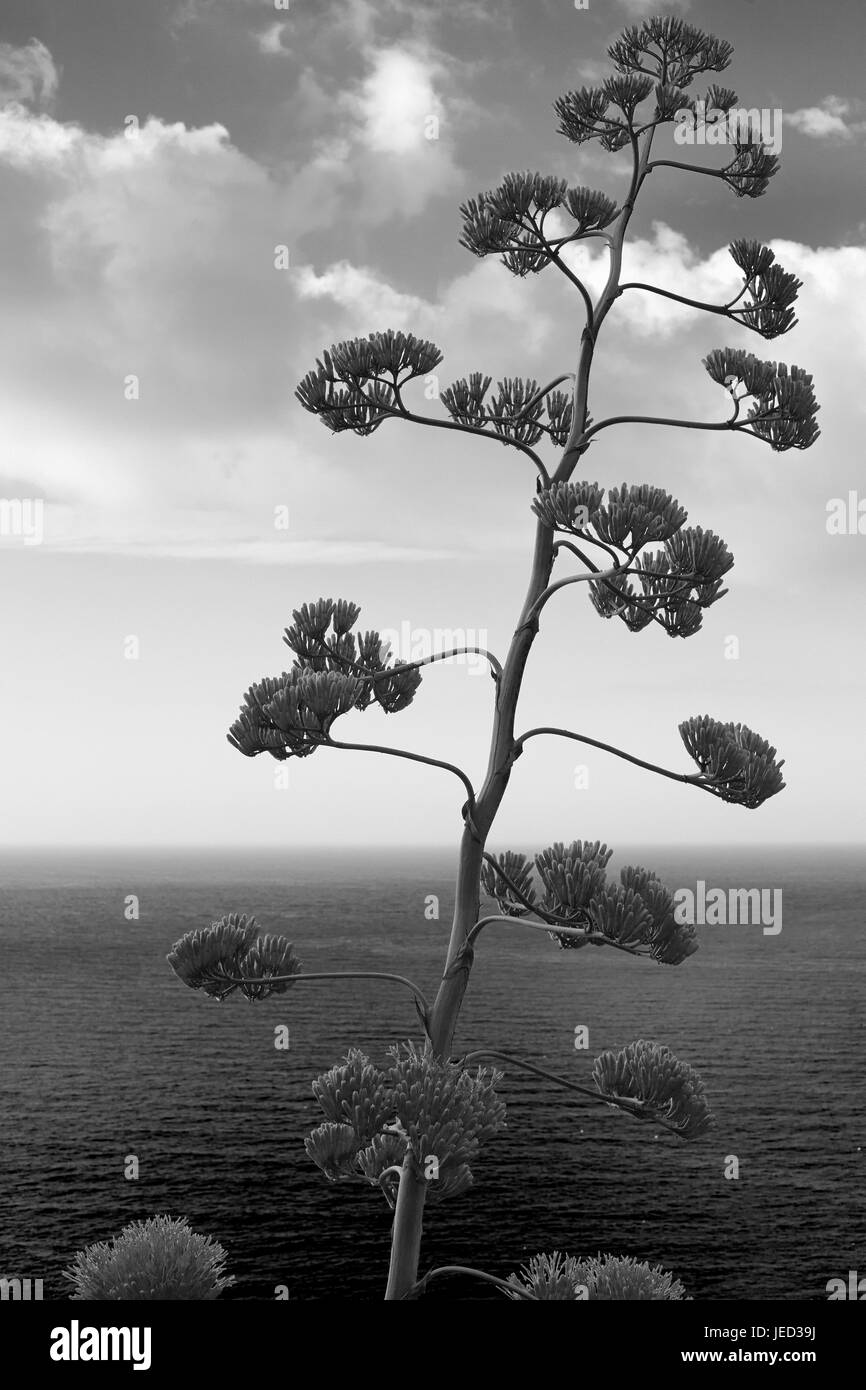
[(270, 40), (829, 119), (27, 74), (395, 103), (152, 255), (475, 304), (396, 148)]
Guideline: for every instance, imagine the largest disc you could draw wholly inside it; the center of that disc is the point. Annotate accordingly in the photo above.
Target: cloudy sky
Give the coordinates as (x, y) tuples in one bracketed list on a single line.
[(153, 157)]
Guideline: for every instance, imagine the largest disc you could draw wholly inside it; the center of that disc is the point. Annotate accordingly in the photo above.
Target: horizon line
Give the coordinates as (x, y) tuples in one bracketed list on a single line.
[(360, 846)]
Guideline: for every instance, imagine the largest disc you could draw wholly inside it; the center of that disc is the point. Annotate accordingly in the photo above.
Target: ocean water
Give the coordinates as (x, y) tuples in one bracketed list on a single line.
[(105, 1054)]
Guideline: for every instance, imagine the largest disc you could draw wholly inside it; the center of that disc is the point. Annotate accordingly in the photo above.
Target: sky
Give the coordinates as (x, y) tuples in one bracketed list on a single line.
[(153, 161)]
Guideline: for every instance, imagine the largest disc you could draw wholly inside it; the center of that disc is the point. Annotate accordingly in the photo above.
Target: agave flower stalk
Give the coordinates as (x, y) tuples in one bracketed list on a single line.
[(641, 564)]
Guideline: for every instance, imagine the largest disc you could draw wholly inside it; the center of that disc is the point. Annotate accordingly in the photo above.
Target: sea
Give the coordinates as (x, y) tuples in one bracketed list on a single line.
[(106, 1056)]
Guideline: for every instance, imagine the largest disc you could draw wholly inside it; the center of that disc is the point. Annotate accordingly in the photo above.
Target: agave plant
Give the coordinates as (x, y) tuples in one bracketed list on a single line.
[(414, 1123), (157, 1259)]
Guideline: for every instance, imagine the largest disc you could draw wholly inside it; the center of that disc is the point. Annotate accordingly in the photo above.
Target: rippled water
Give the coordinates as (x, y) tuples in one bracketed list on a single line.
[(103, 1054)]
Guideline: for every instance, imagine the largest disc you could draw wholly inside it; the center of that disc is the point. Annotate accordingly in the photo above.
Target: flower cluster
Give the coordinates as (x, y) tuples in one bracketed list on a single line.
[(357, 383), (773, 291), (637, 913), (416, 1106), (513, 413), (157, 1259), (673, 51), (291, 715), (565, 1278), (656, 59), (510, 220), (517, 870), (735, 763), (784, 406), (651, 1083), (675, 584), (752, 166), (230, 955)]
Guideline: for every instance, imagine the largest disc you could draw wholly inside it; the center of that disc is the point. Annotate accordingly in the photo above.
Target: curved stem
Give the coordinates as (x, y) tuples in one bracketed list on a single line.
[(475, 1274), (560, 265), (549, 917), (729, 424), (584, 559), (404, 414), (680, 298), (630, 1106), (332, 975), (545, 391), (402, 753), (588, 938), (401, 666), (560, 926), (690, 777), (699, 169), (595, 576)]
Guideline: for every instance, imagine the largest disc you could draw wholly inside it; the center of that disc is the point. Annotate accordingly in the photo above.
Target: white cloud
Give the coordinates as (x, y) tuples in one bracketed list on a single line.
[(472, 305), (27, 73), (828, 119), (395, 102), (153, 255), (27, 141), (270, 40)]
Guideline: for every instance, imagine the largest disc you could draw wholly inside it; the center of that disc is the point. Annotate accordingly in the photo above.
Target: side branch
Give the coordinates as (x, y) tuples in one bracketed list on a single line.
[(335, 975), (402, 753), (403, 414), (730, 424), (680, 298), (631, 1107), (697, 169), (692, 778), (575, 933)]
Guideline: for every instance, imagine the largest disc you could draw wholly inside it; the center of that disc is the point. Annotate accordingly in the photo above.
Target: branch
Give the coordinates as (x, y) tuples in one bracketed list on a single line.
[(680, 298), (724, 309), (698, 169), (334, 975), (693, 778), (400, 667), (590, 540), (551, 589), (589, 938), (631, 1107), (396, 670), (401, 753), (557, 260), (663, 420), (403, 414), (545, 390)]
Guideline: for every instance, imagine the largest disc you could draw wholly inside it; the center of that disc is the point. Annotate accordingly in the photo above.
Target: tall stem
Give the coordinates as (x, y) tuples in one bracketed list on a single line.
[(503, 750), (406, 1236)]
